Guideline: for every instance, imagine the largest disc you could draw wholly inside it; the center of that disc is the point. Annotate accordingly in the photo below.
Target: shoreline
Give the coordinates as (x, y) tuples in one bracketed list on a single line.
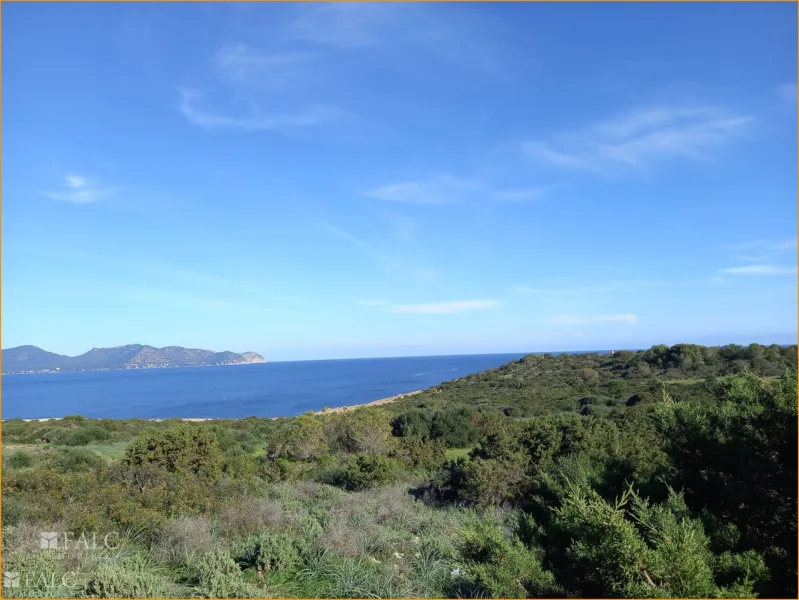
[(324, 411), (154, 368), (390, 399)]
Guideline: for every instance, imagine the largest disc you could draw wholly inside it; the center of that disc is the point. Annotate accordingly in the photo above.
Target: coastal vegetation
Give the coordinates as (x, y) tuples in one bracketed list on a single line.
[(669, 472)]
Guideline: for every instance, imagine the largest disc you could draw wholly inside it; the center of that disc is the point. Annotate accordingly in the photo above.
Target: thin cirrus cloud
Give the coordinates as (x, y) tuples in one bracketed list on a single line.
[(589, 319), (256, 79), (80, 190), (437, 308), (386, 260), (639, 139), (254, 119), (241, 64), (452, 37), (441, 189), (761, 270), (523, 194), (345, 25), (771, 245), (763, 251), (444, 188), (294, 67)]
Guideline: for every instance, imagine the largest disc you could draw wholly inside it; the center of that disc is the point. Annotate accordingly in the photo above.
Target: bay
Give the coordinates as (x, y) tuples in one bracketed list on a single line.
[(275, 389)]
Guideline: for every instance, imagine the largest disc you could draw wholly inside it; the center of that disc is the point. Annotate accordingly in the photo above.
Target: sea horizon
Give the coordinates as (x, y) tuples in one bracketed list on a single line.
[(314, 360), (271, 389)]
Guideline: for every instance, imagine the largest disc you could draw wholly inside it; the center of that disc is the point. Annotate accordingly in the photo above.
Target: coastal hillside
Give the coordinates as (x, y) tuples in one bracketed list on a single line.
[(540, 384), (30, 359), (665, 473)]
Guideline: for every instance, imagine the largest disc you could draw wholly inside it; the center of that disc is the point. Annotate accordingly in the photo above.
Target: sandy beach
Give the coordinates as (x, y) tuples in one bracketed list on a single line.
[(324, 411), (327, 411)]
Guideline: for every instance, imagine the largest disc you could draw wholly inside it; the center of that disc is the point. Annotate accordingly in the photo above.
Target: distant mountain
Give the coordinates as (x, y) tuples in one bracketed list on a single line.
[(30, 359)]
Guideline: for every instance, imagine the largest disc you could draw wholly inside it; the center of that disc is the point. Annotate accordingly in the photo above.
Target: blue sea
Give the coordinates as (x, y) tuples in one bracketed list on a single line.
[(276, 389)]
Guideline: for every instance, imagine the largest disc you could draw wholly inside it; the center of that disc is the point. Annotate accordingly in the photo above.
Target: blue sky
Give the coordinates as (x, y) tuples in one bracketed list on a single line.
[(326, 181)]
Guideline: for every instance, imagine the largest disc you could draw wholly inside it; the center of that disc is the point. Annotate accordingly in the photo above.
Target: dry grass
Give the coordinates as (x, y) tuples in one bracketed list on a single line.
[(25, 537), (183, 536)]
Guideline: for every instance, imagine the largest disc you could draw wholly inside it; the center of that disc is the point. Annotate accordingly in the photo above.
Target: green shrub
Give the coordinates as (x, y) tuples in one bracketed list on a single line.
[(368, 471), (267, 552), (500, 568), (84, 435), (13, 509), (130, 578), (365, 431), (216, 575), (419, 454), (488, 481), (183, 448), (20, 460), (76, 460)]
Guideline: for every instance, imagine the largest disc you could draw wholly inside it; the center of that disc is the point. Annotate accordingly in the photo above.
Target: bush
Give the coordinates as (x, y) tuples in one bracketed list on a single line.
[(630, 548), (367, 471), (267, 552), (216, 575), (364, 431), (493, 482), (501, 568), (20, 460), (76, 460), (13, 509), (453, 426), (419, 454), (84, 435), (184, 448), (131, 578)]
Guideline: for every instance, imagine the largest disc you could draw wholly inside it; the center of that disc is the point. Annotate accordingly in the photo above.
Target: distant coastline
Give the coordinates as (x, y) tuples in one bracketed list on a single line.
[(31, 360), (143, 368)]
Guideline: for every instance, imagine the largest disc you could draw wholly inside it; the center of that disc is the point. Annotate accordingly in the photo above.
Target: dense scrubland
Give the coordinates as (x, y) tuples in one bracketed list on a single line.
[(665, 473)]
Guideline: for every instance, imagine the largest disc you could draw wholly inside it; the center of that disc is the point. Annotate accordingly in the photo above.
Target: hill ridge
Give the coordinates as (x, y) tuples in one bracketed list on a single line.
[(32, 359)]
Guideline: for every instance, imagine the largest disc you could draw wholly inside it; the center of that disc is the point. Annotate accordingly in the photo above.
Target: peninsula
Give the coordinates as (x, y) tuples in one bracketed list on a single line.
[(30, 359)]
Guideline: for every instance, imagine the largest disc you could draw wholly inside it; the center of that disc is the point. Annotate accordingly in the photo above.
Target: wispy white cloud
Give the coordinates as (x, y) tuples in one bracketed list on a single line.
[(449, 34), (445, 188), (343, 24), (638, 139), (781, 245), (760, 270), (80, 190), (764, 251), (441, 189), (242, 64), (438, 308), (588, 319), (297, 70), (389, 262), (254, 119)]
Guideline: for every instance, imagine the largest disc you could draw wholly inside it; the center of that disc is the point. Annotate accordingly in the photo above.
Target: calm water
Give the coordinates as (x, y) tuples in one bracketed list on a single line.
[(263, 390)]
